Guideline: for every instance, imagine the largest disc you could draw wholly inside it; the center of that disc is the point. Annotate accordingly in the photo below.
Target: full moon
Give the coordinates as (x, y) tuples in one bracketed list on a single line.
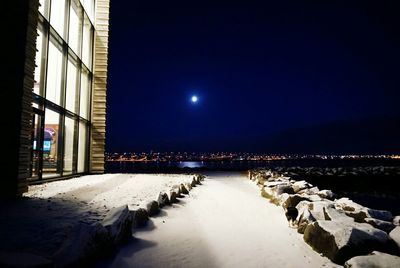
[(194, 99)]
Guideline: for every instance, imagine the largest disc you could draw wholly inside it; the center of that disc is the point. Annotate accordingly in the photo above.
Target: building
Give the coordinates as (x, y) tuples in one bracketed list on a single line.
[(56, 55)]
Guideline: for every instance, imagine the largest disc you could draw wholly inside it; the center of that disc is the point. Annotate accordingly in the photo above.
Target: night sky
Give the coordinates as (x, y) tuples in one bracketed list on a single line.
[(305, 77)]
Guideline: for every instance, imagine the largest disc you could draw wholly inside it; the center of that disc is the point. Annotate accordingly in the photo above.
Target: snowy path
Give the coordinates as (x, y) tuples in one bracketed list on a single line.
[(224, 223)]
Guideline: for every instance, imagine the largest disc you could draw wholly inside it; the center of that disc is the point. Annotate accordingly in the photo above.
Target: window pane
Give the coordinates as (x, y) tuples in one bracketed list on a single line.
[(71, 96), (87, 43), (54, 72), (89, 8), (51, 141), (57, 16), (44, 7), (75, 23), (85, 95), (82, 147), (40, 56), (69, 133)]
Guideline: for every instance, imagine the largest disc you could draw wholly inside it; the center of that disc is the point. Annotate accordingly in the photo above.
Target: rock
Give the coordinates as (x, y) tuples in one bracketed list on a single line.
[(118, 223), (272, 184), (188, 186), (193, 183), (281, 199), (23, 259), (310, 212), (280, 189), (327, 194), (83, 245), (385, 226), (318, 209), (374, 260), (395, 235), (300, 185), (340, 241), (152, 208), (270, 194), (291, 214), (396, 220), (303, 220), (183, 189), (313, 197), (197, 179), (383, 215), (331, 214), (163, 199), (359, 212), (292, 200), (139, 217), (172, 197), (177, 190), (309, 191), (201, 176)]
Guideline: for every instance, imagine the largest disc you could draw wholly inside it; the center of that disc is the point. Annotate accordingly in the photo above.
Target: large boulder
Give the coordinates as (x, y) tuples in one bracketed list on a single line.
[(327, 194), (395, 235), (271, 195), (118, 223), (309, 191), (293, 200), (396, 220), (201, 176), (197, 179), (283, 188), (139, 217), (300, 185), (83, 245), (312, 197), (163, 199), (188, 186), (374, 260), (310, 212), (152, 207), (177, 190), (303, 220), (183, 189), (332, 214), (342, 240), (359, 212), (173, 197), (385, 226)]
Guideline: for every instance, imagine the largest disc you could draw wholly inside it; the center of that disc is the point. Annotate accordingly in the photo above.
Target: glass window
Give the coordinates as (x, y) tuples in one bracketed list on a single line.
[(51, 141), (75, 27), (89, 8), (87, 43), (85, 94), (57, 16), (40, 57), (69, 134), (44, 8), (82, 147), (54, 72), (72, 83)]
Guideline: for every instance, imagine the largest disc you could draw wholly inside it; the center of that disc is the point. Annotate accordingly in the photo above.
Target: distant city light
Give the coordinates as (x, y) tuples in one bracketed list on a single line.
[(194, 99)]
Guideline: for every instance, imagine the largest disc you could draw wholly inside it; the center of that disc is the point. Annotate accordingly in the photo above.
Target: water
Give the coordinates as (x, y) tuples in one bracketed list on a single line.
[(189, 166)]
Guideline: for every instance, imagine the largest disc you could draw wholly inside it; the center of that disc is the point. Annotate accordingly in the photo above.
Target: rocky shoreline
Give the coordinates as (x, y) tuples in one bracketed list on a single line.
[(339, 228)]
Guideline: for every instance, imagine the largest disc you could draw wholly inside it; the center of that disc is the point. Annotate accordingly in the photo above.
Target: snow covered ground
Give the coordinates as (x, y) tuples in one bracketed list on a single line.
[(41, 221), (225, 223)]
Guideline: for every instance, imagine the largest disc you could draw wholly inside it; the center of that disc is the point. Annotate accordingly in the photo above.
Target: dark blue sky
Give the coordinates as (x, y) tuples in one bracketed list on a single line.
[(321, 70)]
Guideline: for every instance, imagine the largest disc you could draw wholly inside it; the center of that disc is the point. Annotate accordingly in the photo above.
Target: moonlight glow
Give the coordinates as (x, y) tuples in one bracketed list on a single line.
[(194, 99)]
